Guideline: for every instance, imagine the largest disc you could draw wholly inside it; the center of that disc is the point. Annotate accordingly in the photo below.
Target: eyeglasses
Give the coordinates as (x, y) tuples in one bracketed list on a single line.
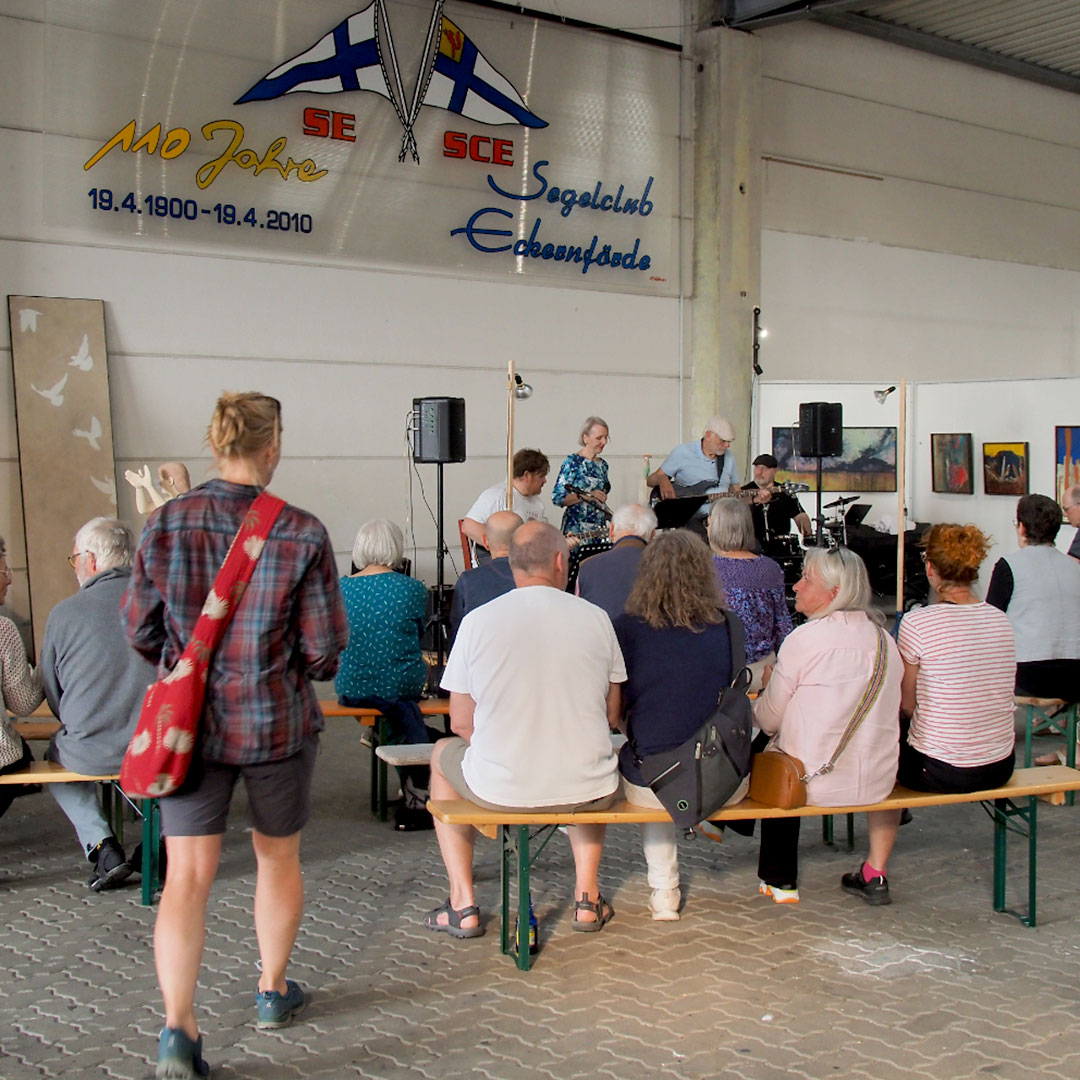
[(72, 557)]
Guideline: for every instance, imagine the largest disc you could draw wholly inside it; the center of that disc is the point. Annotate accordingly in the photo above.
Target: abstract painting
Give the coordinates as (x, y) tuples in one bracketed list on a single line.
[(1066, 459), (952, 464), (867, 463), (1005, 468)]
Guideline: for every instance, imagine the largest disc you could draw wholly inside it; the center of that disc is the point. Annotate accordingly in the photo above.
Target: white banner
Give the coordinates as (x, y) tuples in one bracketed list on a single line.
[(422, 135)]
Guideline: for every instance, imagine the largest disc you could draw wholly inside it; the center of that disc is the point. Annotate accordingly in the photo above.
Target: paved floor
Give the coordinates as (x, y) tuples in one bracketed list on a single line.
[(934, 986)]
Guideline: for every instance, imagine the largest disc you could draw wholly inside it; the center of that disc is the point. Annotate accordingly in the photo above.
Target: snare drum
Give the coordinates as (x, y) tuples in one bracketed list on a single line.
[(784, 547)]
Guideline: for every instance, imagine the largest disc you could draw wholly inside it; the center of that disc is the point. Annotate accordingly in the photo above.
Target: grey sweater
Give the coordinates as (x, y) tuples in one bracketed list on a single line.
[(94, 680)]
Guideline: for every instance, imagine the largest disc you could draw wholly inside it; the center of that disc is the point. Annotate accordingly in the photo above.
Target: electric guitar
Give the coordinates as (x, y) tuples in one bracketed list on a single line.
[(701, 491)]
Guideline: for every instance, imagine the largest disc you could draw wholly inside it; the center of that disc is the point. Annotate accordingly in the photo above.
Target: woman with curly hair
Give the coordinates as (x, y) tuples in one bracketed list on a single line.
[(956, 702), (675, 641)]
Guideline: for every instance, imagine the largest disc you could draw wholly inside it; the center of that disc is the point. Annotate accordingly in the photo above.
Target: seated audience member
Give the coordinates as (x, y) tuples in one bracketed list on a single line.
[(606, 579), (534, 684), (959, 666), (382, 666), (824, 669), (491, 579), (1038, 588), (95, 683), (530, 474), (753, 584), (20, 688), (675, 642), (1070, 504)]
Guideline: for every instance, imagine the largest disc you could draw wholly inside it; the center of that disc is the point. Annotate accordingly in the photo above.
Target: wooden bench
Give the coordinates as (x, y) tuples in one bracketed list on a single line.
[(113, 800), (514, 831), (374, 719), (1050, 716)]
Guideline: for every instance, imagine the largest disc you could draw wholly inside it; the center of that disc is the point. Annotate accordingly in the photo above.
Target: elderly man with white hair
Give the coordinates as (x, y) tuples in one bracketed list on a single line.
[(706, 464), (94, 682), (606, 579)]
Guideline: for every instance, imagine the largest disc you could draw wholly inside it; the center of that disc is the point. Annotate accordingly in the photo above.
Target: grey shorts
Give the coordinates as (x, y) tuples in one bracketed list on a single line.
[(279, 796), (450, 762)]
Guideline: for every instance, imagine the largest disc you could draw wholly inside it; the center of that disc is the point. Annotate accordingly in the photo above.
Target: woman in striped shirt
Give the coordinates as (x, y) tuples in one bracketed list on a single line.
[(959, 666)]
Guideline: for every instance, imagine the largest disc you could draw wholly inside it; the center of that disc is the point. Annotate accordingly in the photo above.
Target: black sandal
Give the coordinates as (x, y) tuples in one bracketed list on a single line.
[(603, 911), (453, 926)]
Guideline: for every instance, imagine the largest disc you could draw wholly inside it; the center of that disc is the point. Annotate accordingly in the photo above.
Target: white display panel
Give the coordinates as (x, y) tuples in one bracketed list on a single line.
[(216, 127)]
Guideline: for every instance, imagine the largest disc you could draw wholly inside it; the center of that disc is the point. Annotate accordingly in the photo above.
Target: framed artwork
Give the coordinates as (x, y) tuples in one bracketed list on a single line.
[(867, 463), (952, 464), (1066, 459), (1005, 468)]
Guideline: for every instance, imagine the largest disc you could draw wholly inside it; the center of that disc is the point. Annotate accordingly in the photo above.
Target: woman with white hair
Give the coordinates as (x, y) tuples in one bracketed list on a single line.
[(382, 666), (586, 470), (823, 672)]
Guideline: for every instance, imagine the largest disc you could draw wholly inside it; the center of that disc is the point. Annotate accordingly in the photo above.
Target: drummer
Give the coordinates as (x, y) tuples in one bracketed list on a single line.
[(773, 510)]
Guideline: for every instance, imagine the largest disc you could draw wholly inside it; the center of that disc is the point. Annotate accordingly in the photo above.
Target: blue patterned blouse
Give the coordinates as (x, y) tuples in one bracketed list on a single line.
[(589, 475), (754, 590), (386, 618)]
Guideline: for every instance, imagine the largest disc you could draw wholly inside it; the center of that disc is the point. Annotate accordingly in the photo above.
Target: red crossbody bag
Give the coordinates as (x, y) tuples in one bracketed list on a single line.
[(159, 753)]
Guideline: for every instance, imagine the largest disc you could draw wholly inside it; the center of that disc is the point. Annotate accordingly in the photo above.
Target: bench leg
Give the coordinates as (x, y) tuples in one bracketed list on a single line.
[(381, 736), (516, 857), (151, 841), (1070, 745), (1003, 810), (827, 829)]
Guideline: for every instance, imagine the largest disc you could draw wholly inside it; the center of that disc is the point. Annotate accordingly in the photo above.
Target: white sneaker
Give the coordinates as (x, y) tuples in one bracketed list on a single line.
[(780, 896), (664, 904)]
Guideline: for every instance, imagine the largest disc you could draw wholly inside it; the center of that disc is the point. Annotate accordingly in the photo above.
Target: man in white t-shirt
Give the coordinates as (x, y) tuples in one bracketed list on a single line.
[(531, 470), (534, 690)]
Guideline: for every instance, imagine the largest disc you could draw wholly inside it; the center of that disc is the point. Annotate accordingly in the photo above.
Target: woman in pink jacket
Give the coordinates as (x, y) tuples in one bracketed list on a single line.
[(823, 669)]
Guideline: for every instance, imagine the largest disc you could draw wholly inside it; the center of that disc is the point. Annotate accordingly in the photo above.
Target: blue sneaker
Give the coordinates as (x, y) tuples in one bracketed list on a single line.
[(180, 1058), (277, 1010)]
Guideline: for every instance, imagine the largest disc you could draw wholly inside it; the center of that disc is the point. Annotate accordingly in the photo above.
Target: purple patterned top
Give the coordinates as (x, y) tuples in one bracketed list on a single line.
[(754, 590)]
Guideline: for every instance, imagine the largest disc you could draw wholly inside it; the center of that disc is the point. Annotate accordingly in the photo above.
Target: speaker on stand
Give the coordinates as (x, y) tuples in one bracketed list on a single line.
[(439, 439), (821, 434)]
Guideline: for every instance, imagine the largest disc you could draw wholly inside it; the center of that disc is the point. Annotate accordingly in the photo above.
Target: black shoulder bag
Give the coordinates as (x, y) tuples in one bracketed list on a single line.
[(696, 778)]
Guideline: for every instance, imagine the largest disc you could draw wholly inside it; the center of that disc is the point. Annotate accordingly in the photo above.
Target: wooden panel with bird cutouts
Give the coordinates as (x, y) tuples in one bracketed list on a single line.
[(64, 425)]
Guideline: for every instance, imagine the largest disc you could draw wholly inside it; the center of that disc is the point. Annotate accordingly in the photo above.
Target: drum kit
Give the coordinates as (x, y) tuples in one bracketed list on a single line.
[(836, 529)]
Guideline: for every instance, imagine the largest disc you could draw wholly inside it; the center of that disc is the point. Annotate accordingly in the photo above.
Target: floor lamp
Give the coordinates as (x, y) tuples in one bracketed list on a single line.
[(516, 390)]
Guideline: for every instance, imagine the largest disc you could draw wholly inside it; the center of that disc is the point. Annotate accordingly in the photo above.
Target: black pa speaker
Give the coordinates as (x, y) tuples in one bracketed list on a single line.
[(821, 429), (439, 423)]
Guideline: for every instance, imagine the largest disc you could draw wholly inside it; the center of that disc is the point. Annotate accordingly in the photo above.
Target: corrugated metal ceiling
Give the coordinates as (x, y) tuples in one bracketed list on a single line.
[(1031, 39)]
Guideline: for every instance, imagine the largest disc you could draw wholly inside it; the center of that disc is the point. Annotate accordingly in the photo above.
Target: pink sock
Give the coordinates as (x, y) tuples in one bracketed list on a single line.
[(869, 872)]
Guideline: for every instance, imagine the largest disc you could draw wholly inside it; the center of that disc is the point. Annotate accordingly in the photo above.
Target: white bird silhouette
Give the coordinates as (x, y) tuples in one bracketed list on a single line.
[(28, 319), (92, 435), (55, 394), (106, 487), (82, 359)]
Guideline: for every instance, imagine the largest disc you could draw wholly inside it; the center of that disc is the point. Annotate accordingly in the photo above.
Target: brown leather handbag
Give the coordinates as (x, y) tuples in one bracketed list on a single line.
[(778, 779)]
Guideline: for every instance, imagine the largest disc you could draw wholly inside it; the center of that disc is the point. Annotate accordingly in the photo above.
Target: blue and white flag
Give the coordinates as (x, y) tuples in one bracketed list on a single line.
[(463, 81), (345, 59)]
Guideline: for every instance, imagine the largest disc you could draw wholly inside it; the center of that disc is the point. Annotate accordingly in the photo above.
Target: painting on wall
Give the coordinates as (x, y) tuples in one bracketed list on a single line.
[(1066, 459), (1005, 468), (952, 464), (867, 463)]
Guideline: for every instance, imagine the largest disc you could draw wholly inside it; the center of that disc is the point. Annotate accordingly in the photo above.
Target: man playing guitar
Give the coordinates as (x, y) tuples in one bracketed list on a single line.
[(706, 464), (773, 508)]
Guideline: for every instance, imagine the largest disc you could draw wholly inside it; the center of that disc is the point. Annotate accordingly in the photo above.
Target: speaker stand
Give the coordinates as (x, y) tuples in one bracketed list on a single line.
[(820, 519), (440, 620)]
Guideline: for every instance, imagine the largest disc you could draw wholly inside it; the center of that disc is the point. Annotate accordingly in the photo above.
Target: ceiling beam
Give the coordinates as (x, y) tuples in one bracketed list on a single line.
[(951, 50), (757, 14)]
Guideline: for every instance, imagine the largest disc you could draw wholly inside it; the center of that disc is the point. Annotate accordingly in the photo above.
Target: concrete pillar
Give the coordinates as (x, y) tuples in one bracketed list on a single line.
[(727, 233)]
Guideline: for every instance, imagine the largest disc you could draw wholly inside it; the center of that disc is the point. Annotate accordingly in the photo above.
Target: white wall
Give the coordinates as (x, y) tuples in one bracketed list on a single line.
[(846, 310), (868, 140)]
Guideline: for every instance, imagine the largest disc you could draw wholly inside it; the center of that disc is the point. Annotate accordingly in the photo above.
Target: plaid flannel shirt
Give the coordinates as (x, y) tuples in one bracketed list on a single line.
[(289, 628)]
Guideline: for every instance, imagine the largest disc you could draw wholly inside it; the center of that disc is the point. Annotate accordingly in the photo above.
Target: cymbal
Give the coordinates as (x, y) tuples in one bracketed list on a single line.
[(841, 502)]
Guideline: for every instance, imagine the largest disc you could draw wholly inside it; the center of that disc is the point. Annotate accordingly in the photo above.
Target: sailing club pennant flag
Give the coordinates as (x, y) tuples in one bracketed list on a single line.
[(464, 82), (345, 59)]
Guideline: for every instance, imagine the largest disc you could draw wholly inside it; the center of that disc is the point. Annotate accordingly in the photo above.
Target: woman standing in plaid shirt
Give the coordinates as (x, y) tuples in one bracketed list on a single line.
[(261, 720)]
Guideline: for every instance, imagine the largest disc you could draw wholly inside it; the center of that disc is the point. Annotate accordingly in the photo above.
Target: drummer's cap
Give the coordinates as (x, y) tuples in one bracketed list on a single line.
[(767, 460)]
